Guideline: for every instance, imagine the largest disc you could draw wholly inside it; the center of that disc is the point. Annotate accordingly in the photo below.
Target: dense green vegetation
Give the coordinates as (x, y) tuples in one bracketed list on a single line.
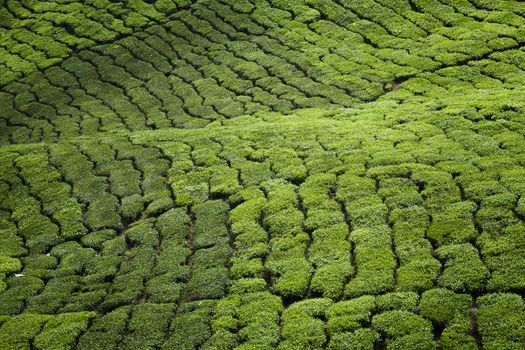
[(262, 174)]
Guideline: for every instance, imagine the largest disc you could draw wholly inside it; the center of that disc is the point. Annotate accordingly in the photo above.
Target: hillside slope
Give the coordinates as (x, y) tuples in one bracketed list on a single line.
[(315, 174)]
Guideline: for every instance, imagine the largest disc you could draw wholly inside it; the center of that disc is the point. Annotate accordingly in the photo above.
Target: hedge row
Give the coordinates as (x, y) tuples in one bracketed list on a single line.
[(41, 34), (374, 258), (330, 249), (209, 242), (397, 320), (290, 270), (222, 60)]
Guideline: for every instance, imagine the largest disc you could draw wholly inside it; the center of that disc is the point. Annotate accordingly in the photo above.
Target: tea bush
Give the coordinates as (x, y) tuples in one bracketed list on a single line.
[(308, 174)]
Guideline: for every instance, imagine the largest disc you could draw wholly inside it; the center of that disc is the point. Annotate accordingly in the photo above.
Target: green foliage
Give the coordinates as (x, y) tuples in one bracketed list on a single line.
[(19, 331), (464, 270), (253, 316), (287, 263), (102, 213), (96, 239), (451, 311), (208, 282), (406, 301), (500, 320), (310, 174), (361, 339), (106, 330), (352, 187), (506, 263), (302, 328), (350, 315), (442, 305), (210, 223), (132, 206), (453, 225), (375, 262), (19, 289), (418, 269), (61, 331), (9, 265), (192, 326), (404, 330), (148, 325), (330, 254), (173, 224)]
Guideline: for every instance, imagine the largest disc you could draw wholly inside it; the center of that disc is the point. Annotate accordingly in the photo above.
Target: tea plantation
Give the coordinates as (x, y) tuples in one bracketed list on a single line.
[(262, 174)]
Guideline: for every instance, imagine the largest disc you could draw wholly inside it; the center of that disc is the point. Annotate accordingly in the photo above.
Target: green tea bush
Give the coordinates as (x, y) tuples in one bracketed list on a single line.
[(62, 330), (136, 267), (452, 312), (302, 326), (495, 219), (101, 213), (404, 329), (147, 326), (11, 245), (38, 230), (19, 331), (56, 293), (19, 289), (208, 283), (330, 254), (142, 233), (503, 258), (114, 247), (213, 256), (9, 265), (172, 258), (247, 285), (453, 225), (223, 181), (106, 330), (464, 270), (88, 300), (314, 191), (124, 180), (418, 269), (285, 222), (210, 223), (350, 315), (37, 262), (500, 320), (287, 165), (192, 326), (102, 270), (406, 301), (191, 188), (173, 224), (363, 338), (375, 261), (421, 271), (439, 189), (253, 173), (132, 206), (197, 174), (351, 187), (254, 315), (288, 265), (442, 306), (367, 212)]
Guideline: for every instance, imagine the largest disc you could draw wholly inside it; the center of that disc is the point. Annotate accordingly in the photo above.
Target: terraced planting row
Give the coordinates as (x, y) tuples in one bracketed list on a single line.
[(390, 237), (40, 34), (216, 60), (262, 174)]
